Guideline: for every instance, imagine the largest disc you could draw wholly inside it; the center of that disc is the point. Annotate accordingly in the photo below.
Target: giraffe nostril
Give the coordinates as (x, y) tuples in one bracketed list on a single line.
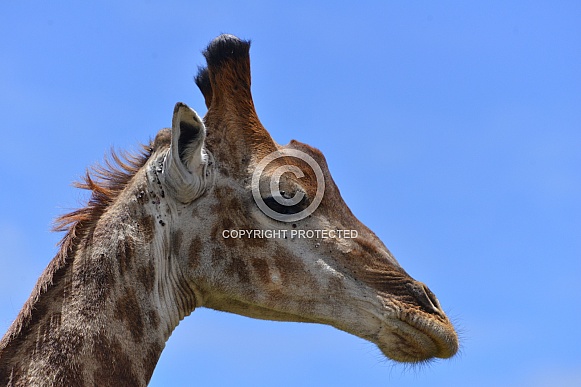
[(432, 298), (426, 298)]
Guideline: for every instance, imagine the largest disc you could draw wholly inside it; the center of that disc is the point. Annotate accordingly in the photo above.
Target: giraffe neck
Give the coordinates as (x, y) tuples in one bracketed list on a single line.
[(104, 318)]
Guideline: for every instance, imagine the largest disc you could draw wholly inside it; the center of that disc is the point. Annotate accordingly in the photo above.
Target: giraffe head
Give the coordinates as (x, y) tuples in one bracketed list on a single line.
[(261, 229)]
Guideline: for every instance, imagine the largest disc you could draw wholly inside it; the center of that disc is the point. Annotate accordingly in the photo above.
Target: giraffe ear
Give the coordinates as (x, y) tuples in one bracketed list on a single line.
[(184, 168)]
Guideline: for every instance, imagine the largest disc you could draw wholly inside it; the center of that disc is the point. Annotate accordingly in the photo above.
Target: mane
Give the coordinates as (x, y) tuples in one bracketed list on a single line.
[(105, 181)]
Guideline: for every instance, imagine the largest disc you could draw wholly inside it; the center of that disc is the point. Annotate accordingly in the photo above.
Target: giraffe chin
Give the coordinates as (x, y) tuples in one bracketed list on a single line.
[(418, 341)]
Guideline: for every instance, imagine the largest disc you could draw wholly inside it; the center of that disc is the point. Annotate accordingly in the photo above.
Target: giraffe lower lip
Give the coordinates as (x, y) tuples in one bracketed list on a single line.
[(443, 335), (419, 341)]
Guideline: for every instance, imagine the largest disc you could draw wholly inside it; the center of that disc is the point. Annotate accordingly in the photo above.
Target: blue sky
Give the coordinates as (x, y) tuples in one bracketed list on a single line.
[(452, 129)]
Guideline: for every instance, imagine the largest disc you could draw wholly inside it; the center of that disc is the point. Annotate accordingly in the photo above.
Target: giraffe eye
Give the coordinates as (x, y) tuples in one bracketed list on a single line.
[(281, 208)]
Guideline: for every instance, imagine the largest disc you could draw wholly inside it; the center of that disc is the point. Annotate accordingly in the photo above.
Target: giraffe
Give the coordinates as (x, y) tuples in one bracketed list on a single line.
[(183, 225)]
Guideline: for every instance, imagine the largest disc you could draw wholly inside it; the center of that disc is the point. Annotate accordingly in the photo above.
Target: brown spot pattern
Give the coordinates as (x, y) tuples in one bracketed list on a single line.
[(238, 268), (146, 275), (146, 226), (260, 267), (127, 309), (125, 254), (115, 367), (291, 269), (235, 267), (93, 279)]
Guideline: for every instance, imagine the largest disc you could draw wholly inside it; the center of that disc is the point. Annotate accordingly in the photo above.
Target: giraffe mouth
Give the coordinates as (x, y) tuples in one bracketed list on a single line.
[(418, 339)]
